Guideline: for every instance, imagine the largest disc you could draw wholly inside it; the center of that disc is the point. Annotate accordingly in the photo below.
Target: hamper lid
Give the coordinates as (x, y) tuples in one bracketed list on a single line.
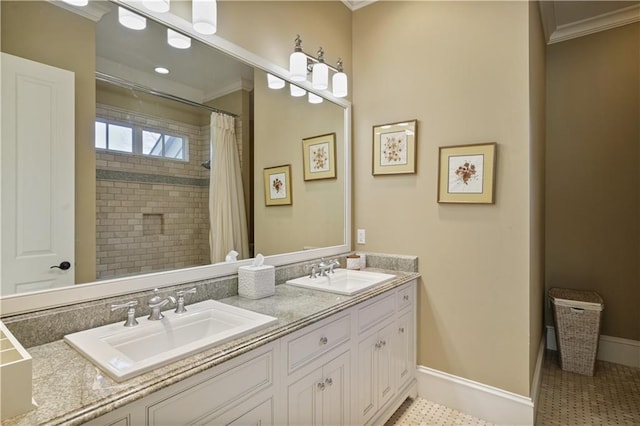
[(577, 298)]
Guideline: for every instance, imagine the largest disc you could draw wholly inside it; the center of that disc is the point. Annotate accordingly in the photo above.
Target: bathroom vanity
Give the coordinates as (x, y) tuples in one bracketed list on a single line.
[(330, 359)]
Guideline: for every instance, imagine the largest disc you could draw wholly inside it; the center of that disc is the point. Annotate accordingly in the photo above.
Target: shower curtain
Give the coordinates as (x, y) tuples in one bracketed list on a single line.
[(227, 215)]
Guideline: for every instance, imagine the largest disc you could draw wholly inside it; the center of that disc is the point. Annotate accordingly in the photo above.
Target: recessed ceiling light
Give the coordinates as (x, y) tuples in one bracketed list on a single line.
[(162, 70)]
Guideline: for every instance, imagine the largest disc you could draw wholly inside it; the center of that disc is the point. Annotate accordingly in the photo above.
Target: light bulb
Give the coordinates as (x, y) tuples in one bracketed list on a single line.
[(320, 76), (205, 16), (131, 20), (274, 82), (339, 85), (297, 91), (161, 70), (177, 40), (157, 5), (314, 99)]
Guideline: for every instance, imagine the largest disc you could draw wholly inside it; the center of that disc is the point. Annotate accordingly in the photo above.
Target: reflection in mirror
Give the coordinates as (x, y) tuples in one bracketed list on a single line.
[(136, 230)]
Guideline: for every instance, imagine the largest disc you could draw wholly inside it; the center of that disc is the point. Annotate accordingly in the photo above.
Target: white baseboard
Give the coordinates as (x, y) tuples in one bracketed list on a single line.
[(610, 349), (537, 378), (476, 399)]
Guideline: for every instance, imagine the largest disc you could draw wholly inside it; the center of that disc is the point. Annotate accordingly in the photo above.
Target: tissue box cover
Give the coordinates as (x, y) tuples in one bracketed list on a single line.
[(15, 376), (256, 282)]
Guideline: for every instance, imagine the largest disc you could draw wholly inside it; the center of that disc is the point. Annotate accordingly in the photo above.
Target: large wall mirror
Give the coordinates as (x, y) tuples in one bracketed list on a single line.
[(150, 154)]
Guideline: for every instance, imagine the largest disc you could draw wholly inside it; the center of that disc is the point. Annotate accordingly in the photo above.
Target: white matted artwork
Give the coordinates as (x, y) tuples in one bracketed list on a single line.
[(277, 185), (319, 157), (467, 174), (394, 148)]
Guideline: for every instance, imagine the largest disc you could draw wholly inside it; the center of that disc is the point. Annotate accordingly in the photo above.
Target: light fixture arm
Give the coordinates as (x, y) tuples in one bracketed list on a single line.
[(311, 60)]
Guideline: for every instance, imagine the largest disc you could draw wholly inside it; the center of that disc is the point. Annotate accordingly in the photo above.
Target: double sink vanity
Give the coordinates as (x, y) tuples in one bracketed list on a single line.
[(335, 349)]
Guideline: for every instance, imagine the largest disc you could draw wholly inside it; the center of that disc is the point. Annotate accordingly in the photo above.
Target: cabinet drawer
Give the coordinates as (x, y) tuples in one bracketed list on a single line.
[(376, 312), (206, 398), (405, 297), (312, 344)]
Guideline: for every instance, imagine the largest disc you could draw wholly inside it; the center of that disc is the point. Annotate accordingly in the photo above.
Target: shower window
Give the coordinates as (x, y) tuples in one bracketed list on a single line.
[(134, 139)]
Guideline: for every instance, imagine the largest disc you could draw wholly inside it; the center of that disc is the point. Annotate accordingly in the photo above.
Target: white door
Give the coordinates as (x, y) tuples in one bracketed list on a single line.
[(37, 176)]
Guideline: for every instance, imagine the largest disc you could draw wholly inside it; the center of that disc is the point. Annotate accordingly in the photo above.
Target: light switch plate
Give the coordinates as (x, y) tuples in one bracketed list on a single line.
[(362, 239)]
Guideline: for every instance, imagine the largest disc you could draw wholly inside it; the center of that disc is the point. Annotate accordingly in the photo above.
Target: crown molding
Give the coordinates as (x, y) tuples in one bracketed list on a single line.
[(556, 33), (357, 4)]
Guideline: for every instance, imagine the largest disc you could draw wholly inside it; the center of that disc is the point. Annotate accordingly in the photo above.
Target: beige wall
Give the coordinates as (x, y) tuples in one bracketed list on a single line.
[(315, 218), (593, 139), (461, 69), (48, 34), (537, 92)]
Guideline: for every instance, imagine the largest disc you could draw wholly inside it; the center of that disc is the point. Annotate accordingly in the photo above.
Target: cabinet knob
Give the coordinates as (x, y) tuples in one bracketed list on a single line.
[(324, 340), (383, 343), (329, 381), (321, 386), (406, 298), (401, 329)]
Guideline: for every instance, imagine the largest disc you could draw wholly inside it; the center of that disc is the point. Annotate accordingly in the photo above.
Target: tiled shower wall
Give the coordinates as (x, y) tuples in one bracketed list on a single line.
[(152, 213)]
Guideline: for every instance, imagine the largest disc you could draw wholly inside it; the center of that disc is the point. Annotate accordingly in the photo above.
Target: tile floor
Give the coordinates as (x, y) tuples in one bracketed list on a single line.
[(610, 397)]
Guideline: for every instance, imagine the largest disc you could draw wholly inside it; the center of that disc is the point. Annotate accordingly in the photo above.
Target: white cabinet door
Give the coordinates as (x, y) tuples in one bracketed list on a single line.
[(405, 349), (336, 399), (375, 365), (385, 365), (304, 400), (37, 140), (321, 397)]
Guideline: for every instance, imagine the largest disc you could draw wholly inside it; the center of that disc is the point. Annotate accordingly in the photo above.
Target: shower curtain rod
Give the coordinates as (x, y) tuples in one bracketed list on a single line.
[(129, 85)]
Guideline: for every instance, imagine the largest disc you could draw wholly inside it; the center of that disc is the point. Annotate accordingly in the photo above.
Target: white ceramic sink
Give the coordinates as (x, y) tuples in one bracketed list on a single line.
[(124, 352), (343, 281)]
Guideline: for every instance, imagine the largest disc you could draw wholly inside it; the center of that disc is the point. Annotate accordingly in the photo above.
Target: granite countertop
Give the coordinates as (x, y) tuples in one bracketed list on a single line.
[(69, 389)]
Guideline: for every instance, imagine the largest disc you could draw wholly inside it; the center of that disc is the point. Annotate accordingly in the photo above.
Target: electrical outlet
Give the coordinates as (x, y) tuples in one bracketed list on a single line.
[(362, 239)]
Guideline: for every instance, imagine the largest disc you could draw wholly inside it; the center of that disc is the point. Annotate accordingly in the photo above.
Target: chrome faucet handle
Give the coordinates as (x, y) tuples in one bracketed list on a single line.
[(131, 312), (314, 271), (155, 303), (180, 309), (332, 264)]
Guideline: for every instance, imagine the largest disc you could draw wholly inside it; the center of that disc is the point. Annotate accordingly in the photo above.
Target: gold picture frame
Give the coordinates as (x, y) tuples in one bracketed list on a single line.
[(277, 186), (466, 174), (394, 148), (319, 157)]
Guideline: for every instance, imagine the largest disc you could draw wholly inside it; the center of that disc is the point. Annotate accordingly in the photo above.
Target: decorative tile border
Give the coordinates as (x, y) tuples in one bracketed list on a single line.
[(149, 178)]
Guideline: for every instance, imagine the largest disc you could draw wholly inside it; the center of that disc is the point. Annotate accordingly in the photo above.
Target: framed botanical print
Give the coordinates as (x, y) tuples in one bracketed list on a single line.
[(394, 148), (319, 157), (467, 174), (277, 185)]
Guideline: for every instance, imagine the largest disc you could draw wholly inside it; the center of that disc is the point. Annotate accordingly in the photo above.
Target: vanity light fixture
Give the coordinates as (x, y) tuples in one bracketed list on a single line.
[(77, 2), (161, 70), (297, 91), (131, 20), (177, 40), (204, 15), (156, 5), (301, 63), (274, 82), (314, 99)]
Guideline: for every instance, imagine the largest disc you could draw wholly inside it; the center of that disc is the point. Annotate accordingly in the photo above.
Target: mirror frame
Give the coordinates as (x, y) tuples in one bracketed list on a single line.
[(47, 299)]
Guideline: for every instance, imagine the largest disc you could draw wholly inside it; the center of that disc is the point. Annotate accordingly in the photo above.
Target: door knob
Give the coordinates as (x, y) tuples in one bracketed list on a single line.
[(63, 265)]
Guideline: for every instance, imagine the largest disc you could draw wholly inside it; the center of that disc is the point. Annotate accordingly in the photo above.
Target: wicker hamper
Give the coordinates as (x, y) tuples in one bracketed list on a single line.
[(577, 317)]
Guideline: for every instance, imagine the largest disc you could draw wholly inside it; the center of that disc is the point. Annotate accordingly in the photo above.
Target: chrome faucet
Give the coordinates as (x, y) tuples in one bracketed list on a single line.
[(325, 266), (131, 312), (180, 309), (157, 302)]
